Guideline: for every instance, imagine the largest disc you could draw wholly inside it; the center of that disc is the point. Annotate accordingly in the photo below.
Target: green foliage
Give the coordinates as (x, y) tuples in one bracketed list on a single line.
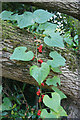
[(25, 19), (52, 114), (53, 81), (41, 73), (17, 100), (56, 110), (38, 20), (45, 114), (56, 69), (41, 16), (47, 26), (6, 104), (55, 41), (62, 95), (57, 61), (20, 54), (54, 104), (68, 40), (6, 15)]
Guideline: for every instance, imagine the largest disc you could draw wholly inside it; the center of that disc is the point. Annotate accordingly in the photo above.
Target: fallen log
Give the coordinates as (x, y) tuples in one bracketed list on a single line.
[(69, 7), (17, 70)]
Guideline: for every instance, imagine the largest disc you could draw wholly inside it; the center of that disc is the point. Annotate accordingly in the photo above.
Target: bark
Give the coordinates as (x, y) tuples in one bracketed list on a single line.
[(17, 70), (69, 7)]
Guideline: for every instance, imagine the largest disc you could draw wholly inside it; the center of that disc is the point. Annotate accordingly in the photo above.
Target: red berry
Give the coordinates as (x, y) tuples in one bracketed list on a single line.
[(43, 96), (40, 48), (42, 84), (39, 112), (38, 92), (34, 37), (33, 58), (40, 61)]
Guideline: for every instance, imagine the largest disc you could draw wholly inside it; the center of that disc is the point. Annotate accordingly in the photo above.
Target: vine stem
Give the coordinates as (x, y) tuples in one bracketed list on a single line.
[(36, 53), (37, 87), (40, 97), (40, 85), (46, 92)]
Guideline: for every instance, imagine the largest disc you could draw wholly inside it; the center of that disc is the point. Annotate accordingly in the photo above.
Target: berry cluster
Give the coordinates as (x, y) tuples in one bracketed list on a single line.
[(40, 48), (39, 112)]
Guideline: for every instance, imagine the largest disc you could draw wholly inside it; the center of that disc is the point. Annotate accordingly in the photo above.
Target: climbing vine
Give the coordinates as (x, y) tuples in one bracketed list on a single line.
[(45, 31)]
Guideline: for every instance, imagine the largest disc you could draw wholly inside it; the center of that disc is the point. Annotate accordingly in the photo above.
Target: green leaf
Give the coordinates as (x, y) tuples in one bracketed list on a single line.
[(25, 19), (50, 30), (55, 41), (53, 102), (53, 81), (20, 54), (40, 74), (57, 61), (5, 15), (45, 114), (47, 27), (41, 16), (4, 113), (6, 104), (62, 112), (62, 95), (68, 40), (57, 70), (14, 106), (52, 114)]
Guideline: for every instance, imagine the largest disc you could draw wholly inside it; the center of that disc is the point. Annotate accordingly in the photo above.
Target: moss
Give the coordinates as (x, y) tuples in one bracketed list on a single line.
[(11, 40), (11, 50), (16, 42), (4, 49)]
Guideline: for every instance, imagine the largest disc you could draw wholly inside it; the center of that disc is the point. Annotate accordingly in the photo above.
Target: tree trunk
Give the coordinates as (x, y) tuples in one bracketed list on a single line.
[(69, 7), (17, 70)]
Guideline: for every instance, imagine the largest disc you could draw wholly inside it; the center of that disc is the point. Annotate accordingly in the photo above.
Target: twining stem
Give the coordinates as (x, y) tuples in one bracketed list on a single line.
[(40, 85), (46, 92), (36, 53), (37, 87), (40, 97)]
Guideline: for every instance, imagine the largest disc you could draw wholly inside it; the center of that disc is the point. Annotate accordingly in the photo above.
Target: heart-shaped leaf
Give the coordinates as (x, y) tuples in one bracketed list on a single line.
[(45, 114), (25, 19), (53, 81), (57, 61), (5, 15), (20, 54), (52, 114), (50, 30), (6, 104), (55, 41), (56, 69), (47, 26), (40, 74), (61, 111), (68, 40), (54, 102), (62, 95), (41, 16)]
